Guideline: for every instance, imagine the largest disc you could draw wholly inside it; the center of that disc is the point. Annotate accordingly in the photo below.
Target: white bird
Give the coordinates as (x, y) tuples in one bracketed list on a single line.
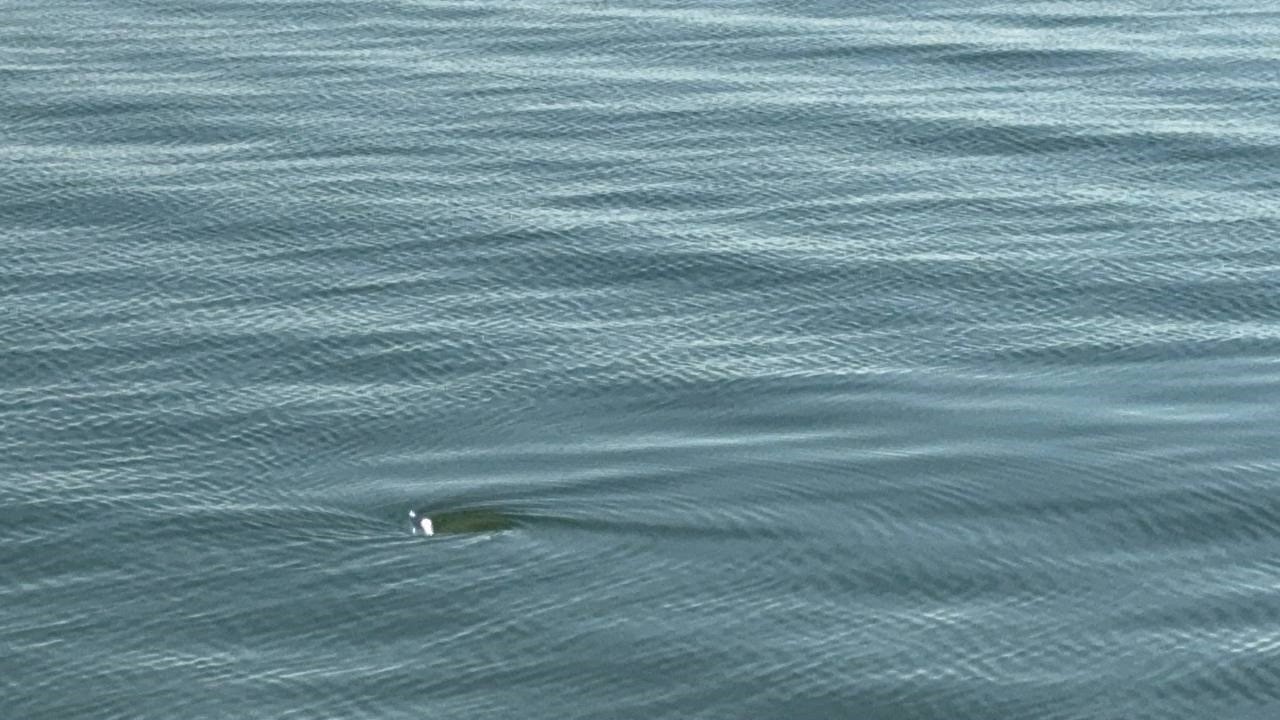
[(423, 524)]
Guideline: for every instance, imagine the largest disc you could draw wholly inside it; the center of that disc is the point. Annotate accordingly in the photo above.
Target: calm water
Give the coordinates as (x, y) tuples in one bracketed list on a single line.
[(836, 359)]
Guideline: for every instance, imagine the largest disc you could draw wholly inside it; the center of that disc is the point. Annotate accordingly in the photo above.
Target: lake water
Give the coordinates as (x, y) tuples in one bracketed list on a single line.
[(833, 359)]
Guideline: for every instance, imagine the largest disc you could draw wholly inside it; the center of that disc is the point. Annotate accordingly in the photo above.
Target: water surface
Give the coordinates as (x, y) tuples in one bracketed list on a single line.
[(837, 359)]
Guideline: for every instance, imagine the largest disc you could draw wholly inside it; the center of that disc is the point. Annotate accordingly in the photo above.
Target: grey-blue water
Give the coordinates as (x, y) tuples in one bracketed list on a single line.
[(870, 360)]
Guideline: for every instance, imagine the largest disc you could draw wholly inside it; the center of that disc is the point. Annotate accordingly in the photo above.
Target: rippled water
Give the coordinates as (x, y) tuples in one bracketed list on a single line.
[(864, 360)]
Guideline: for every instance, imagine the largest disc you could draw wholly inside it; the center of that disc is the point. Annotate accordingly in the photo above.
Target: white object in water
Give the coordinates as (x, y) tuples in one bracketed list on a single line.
[(422, 523)]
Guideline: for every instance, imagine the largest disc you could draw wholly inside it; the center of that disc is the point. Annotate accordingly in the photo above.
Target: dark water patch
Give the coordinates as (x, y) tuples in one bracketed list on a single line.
[(1047, 60), (838, 49), (1139, 351), (643, 199), (1049, 21)]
